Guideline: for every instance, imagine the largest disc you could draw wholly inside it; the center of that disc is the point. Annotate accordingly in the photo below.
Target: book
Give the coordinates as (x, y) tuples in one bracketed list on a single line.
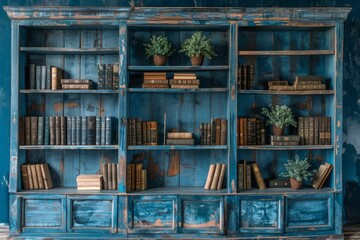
[(116, 71), (89, 182), (184, 82), (184, 86), (72, 86), (56, 75), (90, 188), (311, 130), (21, 131), (109, 76), (308, 78), (223, 132), (109, 176), (52, 130), (83, 130), (34, 176), (259, 180), (248, 176), (101, 76), (240, 178), (48, 77), (288, 138), (322, 131), (97, 130), (46, 176), (38, 77), (76, 81), (221, 177), (43, 78), (300, 129), (105, 175), (209, 176), (185, 135), (25, 177), (217, 131), (47, 131), (73, 130), (310, 87), (321, 175), (128, 178), (78, 129), (281, 88), (27, 130), (57, 130), (133, 177), (327, 130), (153, 133), (316, 130), (63, 131), (108, 130), (216, 176), (279, 183), (91, 128), (180, 141), (40, 179), (277, 83), (32, 77), (31, 181), (144, 179), (156, 81), (114, 176), (138, 168), (284, 143), (34, 130), (155, 85), (306, 131), (103, 130)]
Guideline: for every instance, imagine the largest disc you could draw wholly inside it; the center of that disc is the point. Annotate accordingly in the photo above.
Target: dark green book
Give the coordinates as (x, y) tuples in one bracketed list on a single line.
[(91, 130), (83, 130)]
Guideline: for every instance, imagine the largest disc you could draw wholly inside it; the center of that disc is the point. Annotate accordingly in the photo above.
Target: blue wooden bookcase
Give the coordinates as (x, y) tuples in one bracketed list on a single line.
[(280, 42)]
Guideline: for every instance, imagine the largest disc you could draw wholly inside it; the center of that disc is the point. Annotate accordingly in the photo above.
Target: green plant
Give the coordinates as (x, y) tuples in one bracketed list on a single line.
[(159, 45), (298, 169), (198, 45), (280, 116)]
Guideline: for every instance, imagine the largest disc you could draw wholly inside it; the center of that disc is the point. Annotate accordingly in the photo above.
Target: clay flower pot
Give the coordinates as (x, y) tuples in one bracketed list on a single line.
[(278, 131), (295, 184), (159, 60), (197, 61)]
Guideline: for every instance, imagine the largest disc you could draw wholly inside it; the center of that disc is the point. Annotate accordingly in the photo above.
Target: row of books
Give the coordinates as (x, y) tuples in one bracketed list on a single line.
[(215, 177), (108, 76), (89, 182), (155, 80), (314, 130), (136, 177), (180, 80), (251, 131), (35, 176), (245, 172), (214, 133), (62, 130), (309, 82), (142, 132), (180, 138), (110, 176), (44, 77), (245, 79), (289, 140)]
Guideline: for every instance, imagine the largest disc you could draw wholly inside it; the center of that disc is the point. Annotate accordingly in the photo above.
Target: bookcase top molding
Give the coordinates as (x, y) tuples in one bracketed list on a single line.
[(177, 14)]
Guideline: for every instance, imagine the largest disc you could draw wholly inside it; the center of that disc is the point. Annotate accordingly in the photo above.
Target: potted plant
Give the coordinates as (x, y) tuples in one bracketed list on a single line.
[(197, 47), (279, 117), (297, 170), (159, 47)]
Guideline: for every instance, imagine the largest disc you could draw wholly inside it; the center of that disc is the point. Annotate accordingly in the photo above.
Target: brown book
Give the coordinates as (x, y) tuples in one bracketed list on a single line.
[(143, 179), (155, 85), (128, 178), (155, 74), (326, 175), (185, 135), (114, 176), (133, 177), (322, 131), (241, 132), (245, 174), (58, 130), (284, 143), (259, 180), (245, 128), (21, 130), (180, 141), (184, 81), (25, 177), (301, 130), (56, 75), (184, 76), (327, 130), (240, 180), (144, 133), (153, 133), (109, 176), (248, 176), (215, 179), (310, 87), (307, 83), (217, 131), (306, 130), (31, 181), (223, 132), (34, 176), (39, 176), (321, 174), (210, 176), (184, 86), (73, 86), (222, 176), (316, 130), (27, 130), (156, 81), (278, 83), (46, 176), (76, 81), (281, 88), (105, 175), (89, 184), (139, 168), (34, 131)]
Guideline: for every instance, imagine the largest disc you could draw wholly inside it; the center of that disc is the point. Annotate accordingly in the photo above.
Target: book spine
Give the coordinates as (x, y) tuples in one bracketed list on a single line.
[(133, 131), (103, 131), (311, 130), (27, 130), (105, 176), (180, 141), (217, 131), (328, 130), (139, 168), (215, 180), (46, 131), (21, 130), (48, 77), (240, 179), (43, 78), (39, 176), (31, 181), (284, 143), (40, 131), (101, 76), (258, 132), (32, 76), (83, 130), (301, 130), (306, 131), (138, 129), (63, 130), (24, 177), (144, 179), (209, 177), (223, 132), (289, 138), (114, 175), (258, 177), (133, 177), (91, 122), (128, 178), (248, 176), (109, 176), (213, 131), (78, 129), (262, 125), (202, 134), (316, 130), (38, 78), (34, 176), (246, 131), (241, 131), (98, 130), (73, 130), (34, 130), (153, 133), (108, 130), (68, 130), (52, 128), (209, 134), (116, 69), (322, 131), (57, 130), (108, 76), (76, 86), (144, 133), (46, 175), (222, 176)]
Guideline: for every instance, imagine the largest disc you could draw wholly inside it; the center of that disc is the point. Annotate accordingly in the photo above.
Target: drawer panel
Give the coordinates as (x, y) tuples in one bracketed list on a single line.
[(92, 214), (310, 213), (43, 213), (199, 214), (152, 214), (261, 214)]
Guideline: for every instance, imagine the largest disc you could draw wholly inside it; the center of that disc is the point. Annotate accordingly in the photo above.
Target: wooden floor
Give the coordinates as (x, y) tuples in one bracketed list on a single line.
[(350, 232)]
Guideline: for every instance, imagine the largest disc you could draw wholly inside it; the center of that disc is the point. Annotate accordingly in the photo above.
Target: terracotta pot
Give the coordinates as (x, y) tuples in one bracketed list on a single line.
[(278, 131), (295, 184), (159, 60), (197, 61)]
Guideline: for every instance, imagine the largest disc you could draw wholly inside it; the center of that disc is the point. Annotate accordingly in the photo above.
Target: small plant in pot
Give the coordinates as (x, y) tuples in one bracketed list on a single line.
[(279, 116), (159, 48), (197, 47), (297, 170)]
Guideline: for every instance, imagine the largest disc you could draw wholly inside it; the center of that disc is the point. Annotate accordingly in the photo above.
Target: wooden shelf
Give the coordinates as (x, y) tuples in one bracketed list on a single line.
[(177, 147), (298, 147), (69, 147), (286, 53), (60, 50), (173, 90), (178, 68), (90, 91), (307, 92)]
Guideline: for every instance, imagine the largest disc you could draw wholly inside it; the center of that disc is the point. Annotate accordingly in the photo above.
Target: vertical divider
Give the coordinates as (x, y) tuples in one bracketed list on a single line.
[(232, 113), (123, 78)]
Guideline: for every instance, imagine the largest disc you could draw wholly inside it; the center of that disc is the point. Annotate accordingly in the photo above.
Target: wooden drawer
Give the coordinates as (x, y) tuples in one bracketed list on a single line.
[(201, 214), (260, 214), (43, 213), (309, 213), (92, 214), (152, 214)]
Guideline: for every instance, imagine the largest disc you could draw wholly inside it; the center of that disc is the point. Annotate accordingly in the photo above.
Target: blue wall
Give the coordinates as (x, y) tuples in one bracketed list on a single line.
[(351, 126)]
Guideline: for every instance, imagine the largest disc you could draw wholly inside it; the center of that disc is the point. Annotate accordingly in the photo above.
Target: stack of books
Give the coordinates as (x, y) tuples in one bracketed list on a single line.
[(110, 176), (180, 138), (108, 75), (310, 82), (214, 133), (244, 175), (250, 131), (290, 140), (76, 84), (215, 177), (185, 80), (280, 86), (321, 175), (155, 80), (35, 176), (314, 130), (89, 182), (142, 133), (279, 183), (136, 177), (245, 77), (44, 77)]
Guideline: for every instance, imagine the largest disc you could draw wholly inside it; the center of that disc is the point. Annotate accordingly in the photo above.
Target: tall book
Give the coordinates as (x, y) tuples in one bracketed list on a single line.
[(210, 176), (322, 130), (34, 176), (103, 131), (52, 131), (109, 76), (73, 130), (27, 130), (139, 167), (63, 130), (46, 176), (109, 176), (43, 78), (311, 130), (34, 130), (217, 131), (240, 180), (21, 130), (316, 130), (78, 130), (57, 130), (39, 176), (215, 180), (116, 70), (128, 178), (327, 130), (48, 77), (223, 132), (84, 130), (114, 175), (222, 176), (32, 77), (25, 177), (91, 126), (46, 130), (153, 133), (108, 130), (38, 77), (101, 76), (31, 181), (56, 76), (259, 180), (301, 130), (105, 175), (143, 179), (248, 176), (321, 175), (98, 130)]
